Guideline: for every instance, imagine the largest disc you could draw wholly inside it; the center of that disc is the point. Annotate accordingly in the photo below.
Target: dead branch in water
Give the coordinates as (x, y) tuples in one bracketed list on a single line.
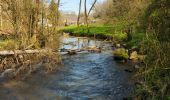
[(17, 52)]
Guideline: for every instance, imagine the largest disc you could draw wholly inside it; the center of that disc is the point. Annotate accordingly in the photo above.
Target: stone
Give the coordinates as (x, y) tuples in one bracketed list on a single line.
[(72, 52), (118, 45), (137, 66), (63, 50), (134, 56), (129, 70), (120, 54), (21, 58)]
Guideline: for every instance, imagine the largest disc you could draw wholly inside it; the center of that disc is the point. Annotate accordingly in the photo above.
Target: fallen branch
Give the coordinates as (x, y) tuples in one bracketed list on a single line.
[(13, 52)]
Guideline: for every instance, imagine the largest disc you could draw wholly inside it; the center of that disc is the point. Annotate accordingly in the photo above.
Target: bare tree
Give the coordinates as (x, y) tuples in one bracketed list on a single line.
[(27, 19), (78, 19), (92, 7), (87, 14), (58, 5)]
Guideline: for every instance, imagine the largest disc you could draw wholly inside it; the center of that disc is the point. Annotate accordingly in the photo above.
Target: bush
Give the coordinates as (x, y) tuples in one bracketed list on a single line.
[(137, 40), (156, 74), (120, 36)]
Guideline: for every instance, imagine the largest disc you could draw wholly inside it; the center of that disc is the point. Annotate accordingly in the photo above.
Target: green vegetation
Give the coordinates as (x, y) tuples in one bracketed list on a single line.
[(121, 53), (25, 23), (99, 31), (138, 39), (156, 73)]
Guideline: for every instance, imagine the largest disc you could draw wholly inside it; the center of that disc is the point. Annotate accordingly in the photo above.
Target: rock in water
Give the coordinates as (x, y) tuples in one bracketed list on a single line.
[(72, 52), (120, 54), (63, 50), (118, 45), (134, 56), (137, 66), (129, 70), (95, 49)]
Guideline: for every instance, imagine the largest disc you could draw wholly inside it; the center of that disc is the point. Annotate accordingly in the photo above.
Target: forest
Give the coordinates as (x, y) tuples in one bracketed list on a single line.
[(106, 50)]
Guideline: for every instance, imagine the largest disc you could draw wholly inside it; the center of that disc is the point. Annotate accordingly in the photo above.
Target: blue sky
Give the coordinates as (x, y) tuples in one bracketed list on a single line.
[(73, 5)]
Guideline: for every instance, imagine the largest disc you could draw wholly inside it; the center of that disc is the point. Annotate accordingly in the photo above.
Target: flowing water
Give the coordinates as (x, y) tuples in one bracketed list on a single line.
[(85, 76)]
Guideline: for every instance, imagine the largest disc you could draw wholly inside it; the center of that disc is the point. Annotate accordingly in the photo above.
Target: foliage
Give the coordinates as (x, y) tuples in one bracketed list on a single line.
[(29, 21), (119, 36), (156, 74), (138, 39), (157, 19), (112, 11), (97, 30), (53, 13)]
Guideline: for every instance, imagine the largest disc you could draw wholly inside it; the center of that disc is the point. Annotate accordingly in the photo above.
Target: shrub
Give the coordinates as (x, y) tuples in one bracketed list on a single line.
[(120, 36)]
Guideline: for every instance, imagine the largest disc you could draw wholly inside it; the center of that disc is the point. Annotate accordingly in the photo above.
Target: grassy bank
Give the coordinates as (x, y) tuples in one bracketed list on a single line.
[(114, 32), (138, 40), (98, 31)]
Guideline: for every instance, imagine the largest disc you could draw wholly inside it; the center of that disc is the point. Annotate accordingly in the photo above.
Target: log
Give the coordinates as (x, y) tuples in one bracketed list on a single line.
[(13, 52)]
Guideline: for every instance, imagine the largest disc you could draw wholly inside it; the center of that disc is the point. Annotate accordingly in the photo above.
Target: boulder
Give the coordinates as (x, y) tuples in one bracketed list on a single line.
[(72, 52), (129, 70), (21, 58), (120, 54), (134, 56), (63, 50), (118, 45)]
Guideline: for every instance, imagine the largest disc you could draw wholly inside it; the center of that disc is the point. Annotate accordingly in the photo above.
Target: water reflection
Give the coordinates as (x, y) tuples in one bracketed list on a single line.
[(79, 43)]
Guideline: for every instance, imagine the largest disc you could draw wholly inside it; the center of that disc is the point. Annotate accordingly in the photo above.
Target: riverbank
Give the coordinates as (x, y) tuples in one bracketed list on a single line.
[(97, 31), (110, 32), (120, 40)]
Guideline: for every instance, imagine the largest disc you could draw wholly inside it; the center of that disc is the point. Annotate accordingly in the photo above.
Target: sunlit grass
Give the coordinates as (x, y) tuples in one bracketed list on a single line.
[(113, 31)]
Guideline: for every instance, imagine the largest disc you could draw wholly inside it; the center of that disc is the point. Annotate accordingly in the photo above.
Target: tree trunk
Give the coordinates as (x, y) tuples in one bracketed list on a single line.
[(58, 5), (78, 19), (0, 17), (86, 16), (92, 7)]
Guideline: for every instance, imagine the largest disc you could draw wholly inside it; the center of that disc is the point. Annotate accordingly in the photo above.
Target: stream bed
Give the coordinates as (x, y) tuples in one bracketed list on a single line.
[(84, 76)]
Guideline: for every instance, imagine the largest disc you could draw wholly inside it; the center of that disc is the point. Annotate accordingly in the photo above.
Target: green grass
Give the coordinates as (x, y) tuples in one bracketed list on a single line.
[(137, 40), (82, 30), (100, 31)]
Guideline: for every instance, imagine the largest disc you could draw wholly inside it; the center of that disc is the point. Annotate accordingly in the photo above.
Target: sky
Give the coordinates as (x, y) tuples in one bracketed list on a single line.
[(73, 5)]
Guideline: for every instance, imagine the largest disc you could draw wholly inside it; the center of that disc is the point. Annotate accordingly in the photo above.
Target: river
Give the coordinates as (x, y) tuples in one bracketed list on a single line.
[(85, 76)]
